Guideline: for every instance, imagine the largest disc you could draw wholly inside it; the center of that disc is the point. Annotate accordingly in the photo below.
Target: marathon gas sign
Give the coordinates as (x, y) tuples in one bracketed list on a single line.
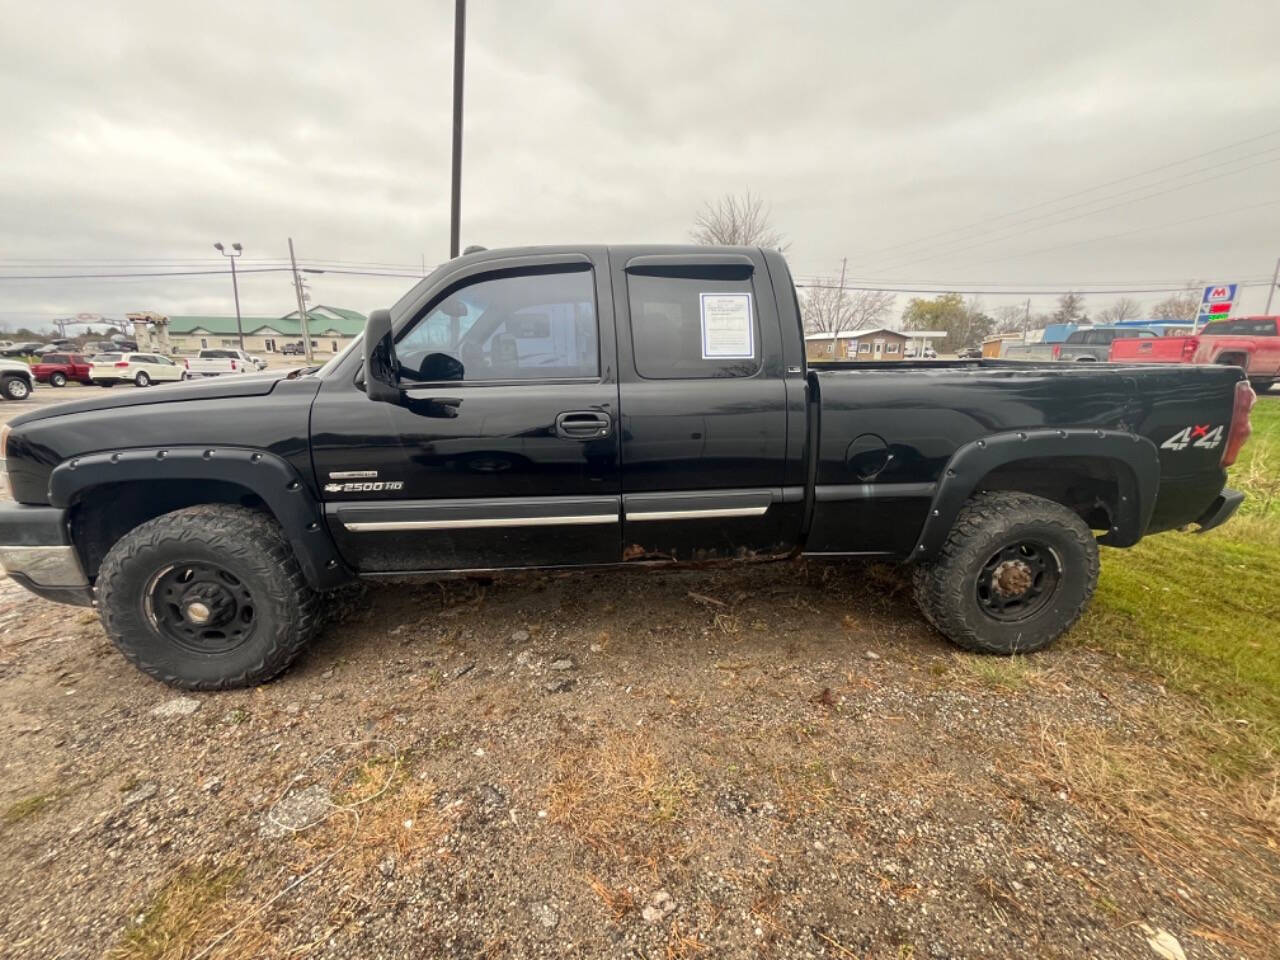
[(1217, 301)]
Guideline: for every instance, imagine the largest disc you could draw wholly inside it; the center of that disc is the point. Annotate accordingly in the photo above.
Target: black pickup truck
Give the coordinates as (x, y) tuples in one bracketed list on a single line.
[(601, 406)]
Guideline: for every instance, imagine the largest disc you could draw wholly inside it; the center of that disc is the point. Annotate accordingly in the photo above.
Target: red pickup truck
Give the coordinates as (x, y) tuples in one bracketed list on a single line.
[(56, 369), (1252, 343)]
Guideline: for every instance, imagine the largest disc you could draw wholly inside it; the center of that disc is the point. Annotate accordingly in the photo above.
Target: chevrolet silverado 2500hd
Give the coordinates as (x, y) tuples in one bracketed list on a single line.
[(601, 406)]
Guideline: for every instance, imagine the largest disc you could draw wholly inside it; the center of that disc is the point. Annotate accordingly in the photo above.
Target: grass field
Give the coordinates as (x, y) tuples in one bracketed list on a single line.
[(1203, 611)]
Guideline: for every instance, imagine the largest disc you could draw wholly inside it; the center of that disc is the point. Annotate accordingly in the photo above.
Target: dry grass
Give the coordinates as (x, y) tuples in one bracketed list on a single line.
[(384, 816), (617, 794), (1211, 828), (189, 909), (25, 808), (1005, 673)]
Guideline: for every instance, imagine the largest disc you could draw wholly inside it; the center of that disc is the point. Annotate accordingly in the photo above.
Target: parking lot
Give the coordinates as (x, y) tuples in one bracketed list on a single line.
[(777, 761)]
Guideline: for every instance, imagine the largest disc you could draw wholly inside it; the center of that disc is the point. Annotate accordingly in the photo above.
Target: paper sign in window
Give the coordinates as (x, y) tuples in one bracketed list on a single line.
[(727, 330)]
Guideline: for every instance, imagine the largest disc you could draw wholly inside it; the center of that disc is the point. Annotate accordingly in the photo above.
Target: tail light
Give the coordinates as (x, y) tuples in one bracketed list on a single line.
[(1057, 351), (233, 366), (187, 364), (122, 363), (1189, 348), (1241, 428)]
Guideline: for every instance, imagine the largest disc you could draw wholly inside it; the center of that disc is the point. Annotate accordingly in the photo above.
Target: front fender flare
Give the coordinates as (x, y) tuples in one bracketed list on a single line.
[(1136, 458), (264, 474)]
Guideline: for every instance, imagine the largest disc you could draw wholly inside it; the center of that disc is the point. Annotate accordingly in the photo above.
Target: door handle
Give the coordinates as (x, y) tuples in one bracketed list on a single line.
[(583, 425)]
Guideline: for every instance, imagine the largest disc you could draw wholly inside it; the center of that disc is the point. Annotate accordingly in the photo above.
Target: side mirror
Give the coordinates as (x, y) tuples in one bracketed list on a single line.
[(381, 372)]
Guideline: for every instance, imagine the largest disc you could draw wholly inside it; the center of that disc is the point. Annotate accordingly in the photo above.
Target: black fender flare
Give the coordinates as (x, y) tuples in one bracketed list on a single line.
[(1138, 473), (262, 473)]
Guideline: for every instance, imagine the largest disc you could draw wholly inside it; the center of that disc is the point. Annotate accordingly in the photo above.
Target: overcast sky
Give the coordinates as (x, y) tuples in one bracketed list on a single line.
[(908, 137)]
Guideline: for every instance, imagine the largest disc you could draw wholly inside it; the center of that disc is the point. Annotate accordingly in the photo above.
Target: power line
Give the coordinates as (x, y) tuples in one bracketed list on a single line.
[(1080, 216), (1021, 293), (1070, 196)]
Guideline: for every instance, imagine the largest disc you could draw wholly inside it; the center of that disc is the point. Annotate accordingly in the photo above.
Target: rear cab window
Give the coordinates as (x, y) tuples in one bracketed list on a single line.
[(693, 322)]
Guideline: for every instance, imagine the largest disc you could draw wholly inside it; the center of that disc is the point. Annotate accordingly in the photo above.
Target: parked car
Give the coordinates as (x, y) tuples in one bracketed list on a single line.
[(56, 369), (506, 442), (970, 353), (1089, 344), (1251, 343), (142, 369), (15, 380), (927, 353), (21, 349), (217, 361), (293, 349)]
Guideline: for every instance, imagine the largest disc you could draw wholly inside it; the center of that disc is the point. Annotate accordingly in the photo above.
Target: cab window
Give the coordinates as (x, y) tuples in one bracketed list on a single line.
[(530, 325)]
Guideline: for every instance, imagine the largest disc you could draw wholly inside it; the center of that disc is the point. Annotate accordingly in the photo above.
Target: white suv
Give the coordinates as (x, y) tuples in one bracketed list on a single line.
[(143, 369)]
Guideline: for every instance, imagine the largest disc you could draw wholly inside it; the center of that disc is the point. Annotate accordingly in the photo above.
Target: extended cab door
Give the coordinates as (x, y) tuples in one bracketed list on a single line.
[(503, 451), (707, 470)]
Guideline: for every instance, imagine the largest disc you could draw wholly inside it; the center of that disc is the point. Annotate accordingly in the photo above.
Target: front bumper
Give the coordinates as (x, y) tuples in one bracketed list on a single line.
[(35, 550), (1221, 510)]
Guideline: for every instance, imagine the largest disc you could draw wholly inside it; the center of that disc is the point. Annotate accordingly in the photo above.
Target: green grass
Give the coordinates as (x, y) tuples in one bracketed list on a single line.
[(25, 808), (1203, 610)]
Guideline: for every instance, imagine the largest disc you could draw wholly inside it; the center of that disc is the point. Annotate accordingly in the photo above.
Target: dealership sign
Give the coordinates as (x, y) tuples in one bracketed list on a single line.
[(1217, 301)]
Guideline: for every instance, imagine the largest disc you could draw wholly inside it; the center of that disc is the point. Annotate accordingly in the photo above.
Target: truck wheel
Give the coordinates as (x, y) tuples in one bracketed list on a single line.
[(1261, 384), (16, 388), (207, 598), (57, 379), (1015, 573), (142, 380)]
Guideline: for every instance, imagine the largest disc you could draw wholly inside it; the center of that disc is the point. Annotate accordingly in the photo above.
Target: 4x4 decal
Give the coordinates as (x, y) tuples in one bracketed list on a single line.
[(1206, 436)]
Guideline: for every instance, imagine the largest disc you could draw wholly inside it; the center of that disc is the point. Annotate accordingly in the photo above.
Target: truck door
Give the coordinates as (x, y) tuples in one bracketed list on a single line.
[(704, 408), (504, 449)]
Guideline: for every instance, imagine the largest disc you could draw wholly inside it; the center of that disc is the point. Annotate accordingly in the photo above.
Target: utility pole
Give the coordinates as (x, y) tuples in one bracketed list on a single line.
[(235, 286), (1275, 278), (1026, 319), (459, 42), (302, 305)]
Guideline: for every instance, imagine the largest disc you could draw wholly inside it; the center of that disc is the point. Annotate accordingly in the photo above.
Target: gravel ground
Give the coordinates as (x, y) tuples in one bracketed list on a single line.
[(770, 761)]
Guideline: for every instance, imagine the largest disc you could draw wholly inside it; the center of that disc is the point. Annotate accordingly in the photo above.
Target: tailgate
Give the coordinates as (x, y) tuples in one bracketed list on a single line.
[(1153, 350)]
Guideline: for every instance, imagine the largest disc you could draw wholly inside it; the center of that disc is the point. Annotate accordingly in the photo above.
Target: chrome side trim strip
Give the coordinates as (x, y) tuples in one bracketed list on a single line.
[(458, 523), (707, 513)]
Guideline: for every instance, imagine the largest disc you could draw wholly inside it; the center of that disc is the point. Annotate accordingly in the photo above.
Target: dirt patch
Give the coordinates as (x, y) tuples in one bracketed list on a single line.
[(776, 761)]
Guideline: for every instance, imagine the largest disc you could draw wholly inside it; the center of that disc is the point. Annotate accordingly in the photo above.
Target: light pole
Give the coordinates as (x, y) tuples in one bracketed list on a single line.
[(459, 43), (1275, 278), (235, 286)]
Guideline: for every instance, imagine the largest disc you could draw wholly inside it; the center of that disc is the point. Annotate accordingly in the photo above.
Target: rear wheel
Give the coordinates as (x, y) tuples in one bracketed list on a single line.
[(57, 379), (207, 598), (142, 380), (1016, 573), (15, 388), (1261, 384)]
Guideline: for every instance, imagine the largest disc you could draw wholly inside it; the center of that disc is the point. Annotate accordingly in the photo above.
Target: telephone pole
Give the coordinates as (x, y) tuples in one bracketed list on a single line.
[(1275, 278), (459, 44), (302, 306)]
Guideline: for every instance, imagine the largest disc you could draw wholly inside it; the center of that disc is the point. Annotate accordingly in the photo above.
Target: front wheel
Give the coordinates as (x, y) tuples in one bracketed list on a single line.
[(142, 380), (207, 598), (1016, 572), (57, 379)]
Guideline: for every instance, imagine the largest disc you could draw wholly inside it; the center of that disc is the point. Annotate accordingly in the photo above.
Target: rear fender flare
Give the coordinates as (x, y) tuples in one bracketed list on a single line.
[(1136, 459), (264, 474)]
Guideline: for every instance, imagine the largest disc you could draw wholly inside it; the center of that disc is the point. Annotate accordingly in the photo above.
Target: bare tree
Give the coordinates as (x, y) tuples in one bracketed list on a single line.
[(738, 221), (1011, 318), (830, 309), (1183, 306), (1126, 308), (1070, 309)]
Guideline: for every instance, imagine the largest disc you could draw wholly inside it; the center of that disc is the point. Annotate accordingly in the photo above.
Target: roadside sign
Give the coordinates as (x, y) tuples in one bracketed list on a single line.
[(1217, 301), (88, 317)]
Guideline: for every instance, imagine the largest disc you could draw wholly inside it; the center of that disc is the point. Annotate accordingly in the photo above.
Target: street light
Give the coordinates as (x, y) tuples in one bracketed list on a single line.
[(235, 286)]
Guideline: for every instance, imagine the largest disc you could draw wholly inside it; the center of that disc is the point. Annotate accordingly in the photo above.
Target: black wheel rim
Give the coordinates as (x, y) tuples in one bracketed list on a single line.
[(1019, 581), (201, 607)]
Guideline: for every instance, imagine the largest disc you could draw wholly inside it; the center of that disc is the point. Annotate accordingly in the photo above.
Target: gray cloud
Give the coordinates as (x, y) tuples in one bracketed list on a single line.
[(146, 130)]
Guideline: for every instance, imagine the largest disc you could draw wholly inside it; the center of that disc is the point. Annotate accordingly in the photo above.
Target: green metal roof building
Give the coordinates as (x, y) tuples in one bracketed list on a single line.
[(331, 329)]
